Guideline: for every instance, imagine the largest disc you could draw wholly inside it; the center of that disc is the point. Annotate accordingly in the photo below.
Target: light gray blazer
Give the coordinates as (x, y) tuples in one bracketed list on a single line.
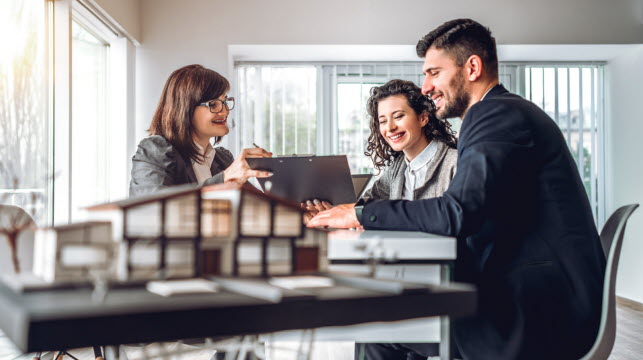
[(438, 177), (157, 164)]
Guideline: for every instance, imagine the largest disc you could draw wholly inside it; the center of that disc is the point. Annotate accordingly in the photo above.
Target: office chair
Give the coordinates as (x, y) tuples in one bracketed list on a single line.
[(611, 240)]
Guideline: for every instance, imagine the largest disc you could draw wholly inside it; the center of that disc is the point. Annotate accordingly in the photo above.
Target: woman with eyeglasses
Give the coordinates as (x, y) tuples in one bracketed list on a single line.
[(193, 109)]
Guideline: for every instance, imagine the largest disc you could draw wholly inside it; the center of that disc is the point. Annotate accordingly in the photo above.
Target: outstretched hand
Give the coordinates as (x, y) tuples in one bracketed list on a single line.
[(313, 207), (341, 217), (239, 171)]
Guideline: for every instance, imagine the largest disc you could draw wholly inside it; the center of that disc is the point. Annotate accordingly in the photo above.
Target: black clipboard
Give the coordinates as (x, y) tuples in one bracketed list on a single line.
[(301, 178)]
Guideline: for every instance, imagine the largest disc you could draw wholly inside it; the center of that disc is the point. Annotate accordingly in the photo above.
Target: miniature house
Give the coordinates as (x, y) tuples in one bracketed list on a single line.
[(226, 229), (267, 234), (72, 252), (157, 235)]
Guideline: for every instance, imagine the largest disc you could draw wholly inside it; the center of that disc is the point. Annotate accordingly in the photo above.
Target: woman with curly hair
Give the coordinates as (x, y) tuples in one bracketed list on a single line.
[(416, 149)]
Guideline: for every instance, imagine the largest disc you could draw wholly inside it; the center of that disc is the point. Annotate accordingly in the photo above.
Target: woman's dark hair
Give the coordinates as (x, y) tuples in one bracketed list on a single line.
[(377, 148), (183, 91)]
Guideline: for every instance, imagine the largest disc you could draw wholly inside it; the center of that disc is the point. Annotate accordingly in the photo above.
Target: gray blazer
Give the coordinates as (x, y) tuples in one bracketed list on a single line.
[(157, 164), (438, 177)]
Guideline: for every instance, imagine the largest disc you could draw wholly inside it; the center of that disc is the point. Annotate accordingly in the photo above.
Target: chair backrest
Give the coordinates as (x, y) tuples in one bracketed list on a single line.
[(611, 240), (14, 215)]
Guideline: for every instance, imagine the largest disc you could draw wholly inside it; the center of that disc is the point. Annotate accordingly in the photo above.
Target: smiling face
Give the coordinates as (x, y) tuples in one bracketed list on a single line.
[(401, 127), (207, 125), (444, 82)]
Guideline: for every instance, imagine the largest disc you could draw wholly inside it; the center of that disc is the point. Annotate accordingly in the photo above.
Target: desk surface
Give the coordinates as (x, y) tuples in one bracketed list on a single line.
[(64, 319), (353, 246)]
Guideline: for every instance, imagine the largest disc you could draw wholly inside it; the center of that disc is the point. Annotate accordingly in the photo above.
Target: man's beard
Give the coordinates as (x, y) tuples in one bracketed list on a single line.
[(460, 102)]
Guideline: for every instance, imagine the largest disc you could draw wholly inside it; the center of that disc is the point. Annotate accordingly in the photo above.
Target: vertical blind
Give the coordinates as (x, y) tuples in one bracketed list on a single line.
[(277, 108), (320, 108), (572, 95), (313, 108)]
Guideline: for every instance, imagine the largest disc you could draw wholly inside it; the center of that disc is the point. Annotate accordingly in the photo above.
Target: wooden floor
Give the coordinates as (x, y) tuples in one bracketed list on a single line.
[(629, 331)]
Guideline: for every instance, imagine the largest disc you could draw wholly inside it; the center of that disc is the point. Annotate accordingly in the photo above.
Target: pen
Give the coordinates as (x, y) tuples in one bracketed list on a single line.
[(257, 146)]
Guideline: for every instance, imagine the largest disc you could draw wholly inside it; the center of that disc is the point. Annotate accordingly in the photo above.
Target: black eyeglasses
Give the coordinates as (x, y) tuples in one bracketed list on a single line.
[(216, 105)]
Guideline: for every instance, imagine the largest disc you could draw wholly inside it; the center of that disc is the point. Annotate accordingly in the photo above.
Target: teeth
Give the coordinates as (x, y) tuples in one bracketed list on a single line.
[(395, 136)]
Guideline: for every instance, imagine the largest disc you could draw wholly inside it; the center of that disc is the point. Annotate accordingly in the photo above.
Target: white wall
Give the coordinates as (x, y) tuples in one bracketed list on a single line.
[(625, 167), (178, 33), (126, 14)]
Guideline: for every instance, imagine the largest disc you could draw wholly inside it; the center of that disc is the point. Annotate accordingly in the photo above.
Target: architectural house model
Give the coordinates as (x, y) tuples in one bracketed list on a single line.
[(267, 237), (225, 229)]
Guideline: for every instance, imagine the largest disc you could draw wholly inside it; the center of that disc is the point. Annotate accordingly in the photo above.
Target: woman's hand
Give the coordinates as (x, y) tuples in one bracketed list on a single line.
[(239, 171), (313, 207)]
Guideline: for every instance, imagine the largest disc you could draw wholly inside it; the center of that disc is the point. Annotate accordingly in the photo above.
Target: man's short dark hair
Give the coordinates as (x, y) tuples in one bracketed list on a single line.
[(462, 38)]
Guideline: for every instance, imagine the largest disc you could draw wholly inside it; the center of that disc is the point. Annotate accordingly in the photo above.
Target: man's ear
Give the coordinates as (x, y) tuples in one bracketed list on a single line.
[(473, 68)]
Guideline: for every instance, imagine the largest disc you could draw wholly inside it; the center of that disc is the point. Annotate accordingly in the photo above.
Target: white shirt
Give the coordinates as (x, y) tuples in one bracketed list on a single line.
[(415, 173), (202, 171)]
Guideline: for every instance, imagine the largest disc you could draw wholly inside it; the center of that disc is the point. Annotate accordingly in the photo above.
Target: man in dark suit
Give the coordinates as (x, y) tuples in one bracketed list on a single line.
[(526, 235)]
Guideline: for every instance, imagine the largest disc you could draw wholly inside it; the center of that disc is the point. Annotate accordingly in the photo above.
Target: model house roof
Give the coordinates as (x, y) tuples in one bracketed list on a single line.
[(78, 225), (180, 190), (252, 190), (167, 193)]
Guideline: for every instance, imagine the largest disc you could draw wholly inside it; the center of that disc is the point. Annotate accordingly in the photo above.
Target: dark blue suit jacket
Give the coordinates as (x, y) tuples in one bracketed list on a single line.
[(526, 235)]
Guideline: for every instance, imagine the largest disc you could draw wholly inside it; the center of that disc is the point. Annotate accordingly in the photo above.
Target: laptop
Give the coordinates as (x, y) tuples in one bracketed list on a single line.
[(360, 182)]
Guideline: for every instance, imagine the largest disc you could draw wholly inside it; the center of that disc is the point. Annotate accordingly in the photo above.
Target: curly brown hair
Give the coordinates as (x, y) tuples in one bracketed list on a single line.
[(377, 148)]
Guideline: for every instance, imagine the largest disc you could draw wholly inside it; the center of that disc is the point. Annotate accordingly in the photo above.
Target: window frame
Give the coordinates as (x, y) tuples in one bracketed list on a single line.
[(119, 107)]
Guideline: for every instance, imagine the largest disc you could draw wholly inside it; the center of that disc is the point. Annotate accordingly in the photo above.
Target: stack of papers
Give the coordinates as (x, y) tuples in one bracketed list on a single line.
[(301, 282), (181, 287)]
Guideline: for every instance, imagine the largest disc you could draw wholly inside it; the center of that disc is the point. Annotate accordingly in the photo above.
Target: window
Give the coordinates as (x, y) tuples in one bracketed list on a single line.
[(280, 108), (352, 84), (90, 135), (93, 117), (24, 128), (572, 95), (320, 108), (66, 114)]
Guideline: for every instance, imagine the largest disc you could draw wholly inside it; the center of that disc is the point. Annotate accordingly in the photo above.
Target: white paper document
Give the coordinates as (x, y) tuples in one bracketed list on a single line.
[(301, 282), (180, 287)]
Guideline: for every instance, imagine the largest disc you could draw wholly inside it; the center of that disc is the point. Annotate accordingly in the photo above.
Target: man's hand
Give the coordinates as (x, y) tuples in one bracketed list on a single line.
[(341, 217), (313, 207)]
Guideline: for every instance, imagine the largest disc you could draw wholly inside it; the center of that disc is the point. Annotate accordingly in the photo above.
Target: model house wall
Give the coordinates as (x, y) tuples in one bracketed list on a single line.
[(72, 252)]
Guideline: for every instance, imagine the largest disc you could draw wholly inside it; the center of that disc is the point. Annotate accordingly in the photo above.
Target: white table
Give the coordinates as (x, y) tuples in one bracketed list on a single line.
[(402, 255)]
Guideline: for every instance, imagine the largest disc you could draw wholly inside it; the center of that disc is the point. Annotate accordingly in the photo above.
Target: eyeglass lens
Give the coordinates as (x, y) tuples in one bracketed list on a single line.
[(217, 105)]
